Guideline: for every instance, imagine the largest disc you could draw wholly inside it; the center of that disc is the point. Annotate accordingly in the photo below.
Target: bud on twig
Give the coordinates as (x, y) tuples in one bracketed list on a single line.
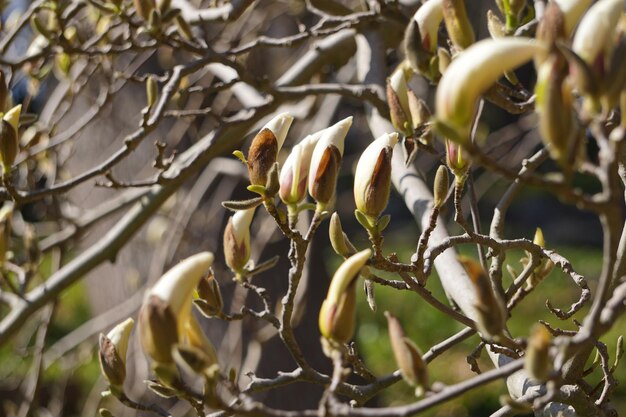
[(167, 306), (113, 348), (372, 180), (458, 25), (440, 187), (456, 159), (152, 90), (8, 146), (420, 39), (470, 74), (237, 240), (265, 147), (537, 360), (336, 318), (144, 7), (338, 239), (209, 300), (491, 312), (397, 96), (408, 357), (295, 171), (325, 162), (420, 115)]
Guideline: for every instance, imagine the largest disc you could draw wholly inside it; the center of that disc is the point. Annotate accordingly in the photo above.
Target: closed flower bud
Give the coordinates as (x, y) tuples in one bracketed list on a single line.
[(470, 74), (326, 160), (457, 24), (420, 115), (152, 90), (295, 170), (209, 299), (167, 306), (408, 357), (554, 105), (440, 187), (456, 159), (420, 39), (538, 239), (265, 147), (397, 96), (8, 145), (337, 313), (113, 348), (553, 25), (537, 359), (372, 180), (237, 240), (491, 314), (338, 239), (595, 36)]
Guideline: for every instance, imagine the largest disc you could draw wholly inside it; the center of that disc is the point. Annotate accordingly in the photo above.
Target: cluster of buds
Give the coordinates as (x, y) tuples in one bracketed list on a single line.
[(237, 240), (408, 356), (112, 354), (491, 312), (372, 180), (9, 138), (337, 314), (166, 322)]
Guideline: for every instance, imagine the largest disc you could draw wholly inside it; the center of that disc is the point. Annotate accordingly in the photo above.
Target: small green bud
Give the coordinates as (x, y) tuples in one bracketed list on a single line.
[(152, 90), (338, 239), (113, 348), (537, 360), (440, 187)]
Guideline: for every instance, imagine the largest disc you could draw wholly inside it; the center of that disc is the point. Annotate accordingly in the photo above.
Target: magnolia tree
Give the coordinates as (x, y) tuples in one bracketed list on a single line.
[(215, 72)]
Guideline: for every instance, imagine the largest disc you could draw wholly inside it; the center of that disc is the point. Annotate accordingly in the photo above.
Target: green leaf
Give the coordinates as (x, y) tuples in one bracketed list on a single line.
[(258, 189), (240, 156), (383, 223)]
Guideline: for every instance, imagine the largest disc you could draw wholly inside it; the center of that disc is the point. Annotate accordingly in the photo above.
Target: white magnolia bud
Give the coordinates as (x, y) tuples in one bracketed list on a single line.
[(428, 18), (595, 34), (265, 147), (237, 239), (295, 170), (279, 126), (325, 161), (372, 180), (572, 11), (471, 73), (113, 349)]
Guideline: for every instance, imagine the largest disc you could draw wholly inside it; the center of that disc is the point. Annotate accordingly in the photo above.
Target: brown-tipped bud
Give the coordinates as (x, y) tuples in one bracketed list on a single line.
[(337, 314), (4, 92), (8, 145), (457, 23), (372, 180), (144, 8), (456, 159), (537, 360), (491, 314), (209, 299), (399, 118), (152, 90), (158, 329), (154, 21), (554, 105), (325, 179), (338, 239), (237, 240), (265, 146), (420, 39), (408, 357), (440, 187), (113, 348)]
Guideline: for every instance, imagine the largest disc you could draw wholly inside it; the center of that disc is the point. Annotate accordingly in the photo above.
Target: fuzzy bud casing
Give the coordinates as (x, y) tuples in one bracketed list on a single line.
[(265, 147), (325, 161), (537, 359), (237, 239), (112, 354), (209, 300), (491, 311), (440, 187), (372, 180), (336, 319), (408, 356)]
